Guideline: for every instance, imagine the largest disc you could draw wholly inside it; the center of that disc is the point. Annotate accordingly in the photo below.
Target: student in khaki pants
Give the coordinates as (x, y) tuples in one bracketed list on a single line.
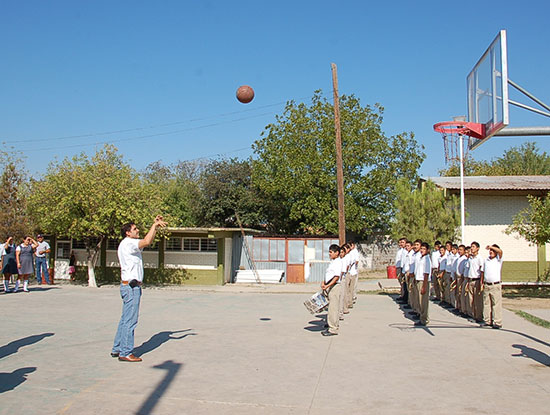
[(475, 296), (413, 295), (332, 286), (422, 277), (492, 293)]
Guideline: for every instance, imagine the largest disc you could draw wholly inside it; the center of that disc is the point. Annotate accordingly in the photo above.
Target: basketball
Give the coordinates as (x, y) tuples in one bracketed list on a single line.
[(245, 94)]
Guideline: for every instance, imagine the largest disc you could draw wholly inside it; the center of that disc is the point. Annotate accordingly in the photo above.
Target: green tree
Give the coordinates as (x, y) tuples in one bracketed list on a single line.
[(524, 160), (91, 197), (425, 213), (533, 223), (179, 188), (295, 167), (14, 220), (227, 190)]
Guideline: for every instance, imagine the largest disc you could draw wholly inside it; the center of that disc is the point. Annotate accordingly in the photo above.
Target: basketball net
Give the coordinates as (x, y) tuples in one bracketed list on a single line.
[(451, 144), (455, 134)]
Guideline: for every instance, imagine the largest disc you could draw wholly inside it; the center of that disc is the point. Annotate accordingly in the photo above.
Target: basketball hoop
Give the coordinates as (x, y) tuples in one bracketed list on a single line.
[(453, 131)]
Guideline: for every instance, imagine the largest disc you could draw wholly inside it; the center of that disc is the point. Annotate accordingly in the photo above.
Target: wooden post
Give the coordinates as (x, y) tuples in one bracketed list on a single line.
[(339, 166)]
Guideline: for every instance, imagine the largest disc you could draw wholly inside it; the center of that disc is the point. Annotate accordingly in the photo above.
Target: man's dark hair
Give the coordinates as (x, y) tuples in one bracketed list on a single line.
[(408, 242), (455, 246), (334, 248), (437, 243), (126, 228), (403, 239), (475, 243), (449, 243), (425, 245), (495, 246), (419, 241), (462, 246)]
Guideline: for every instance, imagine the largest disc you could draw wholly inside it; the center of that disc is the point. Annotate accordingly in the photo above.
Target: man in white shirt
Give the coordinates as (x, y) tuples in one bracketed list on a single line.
[(131, 275), (353, 272), (399, 257), (492, 292), (475, 273), (460, 280), (422, 271), (435, 262), (447, 272), (413, 295), (332, 287), (453, 285), (344, 280), (41, 251), (405, 270)]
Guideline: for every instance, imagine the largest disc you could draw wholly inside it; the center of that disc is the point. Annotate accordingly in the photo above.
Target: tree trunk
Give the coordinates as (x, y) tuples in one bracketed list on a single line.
[(91, 273), (93, 255)]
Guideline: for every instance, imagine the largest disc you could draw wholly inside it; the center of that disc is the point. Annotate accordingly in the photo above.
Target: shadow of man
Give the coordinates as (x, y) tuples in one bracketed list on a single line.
[(159, 339), (9, 381), (14, 346), (526, 351)]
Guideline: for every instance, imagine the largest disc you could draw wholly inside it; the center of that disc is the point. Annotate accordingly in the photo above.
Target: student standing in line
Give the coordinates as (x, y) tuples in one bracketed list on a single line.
[(332, 287), (492, 292), (422, 273), (475, 296)]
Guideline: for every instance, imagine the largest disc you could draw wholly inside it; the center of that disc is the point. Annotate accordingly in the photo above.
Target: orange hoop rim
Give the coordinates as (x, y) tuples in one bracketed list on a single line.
[(471, 129)]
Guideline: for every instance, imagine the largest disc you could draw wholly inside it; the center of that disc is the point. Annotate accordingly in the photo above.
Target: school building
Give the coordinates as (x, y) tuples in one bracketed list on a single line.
[(491, 202)]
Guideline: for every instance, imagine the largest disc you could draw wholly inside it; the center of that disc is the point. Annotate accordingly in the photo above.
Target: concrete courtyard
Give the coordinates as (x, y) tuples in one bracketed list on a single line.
[(244, 350)]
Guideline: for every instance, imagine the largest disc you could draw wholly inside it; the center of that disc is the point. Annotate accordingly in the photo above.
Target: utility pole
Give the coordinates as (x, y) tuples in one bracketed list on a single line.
[(339, 166)]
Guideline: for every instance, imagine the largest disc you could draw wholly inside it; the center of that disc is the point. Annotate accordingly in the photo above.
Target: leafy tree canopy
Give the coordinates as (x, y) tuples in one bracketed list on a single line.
[(425, 213), (516, 161), (295, 167), (88, 197)]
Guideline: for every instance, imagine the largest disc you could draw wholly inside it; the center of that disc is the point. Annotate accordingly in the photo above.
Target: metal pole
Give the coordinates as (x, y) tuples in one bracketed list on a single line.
[(339, 164)]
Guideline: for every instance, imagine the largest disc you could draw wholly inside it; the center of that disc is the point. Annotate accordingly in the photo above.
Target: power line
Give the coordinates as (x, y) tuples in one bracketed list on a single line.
[(147, 136)]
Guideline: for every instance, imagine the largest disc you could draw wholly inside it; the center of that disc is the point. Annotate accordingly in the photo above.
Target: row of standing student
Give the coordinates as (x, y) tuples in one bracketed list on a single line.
[(340, 284), (460, 278)]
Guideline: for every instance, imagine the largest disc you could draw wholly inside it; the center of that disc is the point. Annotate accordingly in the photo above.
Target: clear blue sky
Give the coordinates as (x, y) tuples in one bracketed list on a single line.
[(167, 71)]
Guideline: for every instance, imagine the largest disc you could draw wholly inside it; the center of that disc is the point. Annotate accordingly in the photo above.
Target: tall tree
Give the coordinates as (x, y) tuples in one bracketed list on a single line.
[(295, 168), (425, 213), (91, 197), (14, 220), (179, 188), (524, 160), (227, 191)]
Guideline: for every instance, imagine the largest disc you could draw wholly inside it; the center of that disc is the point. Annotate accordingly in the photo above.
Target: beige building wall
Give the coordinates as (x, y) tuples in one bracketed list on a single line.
[(487, 218)]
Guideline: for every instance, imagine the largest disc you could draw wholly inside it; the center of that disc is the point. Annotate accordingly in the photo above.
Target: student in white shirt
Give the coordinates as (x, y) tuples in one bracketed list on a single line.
[(413, 295), (399, 258), (435, 262), (453, 286), (460, 280), (405, 271), (332, 287), (353, 272), (475, 273), (447, 272), (423, 269), (492, 292)]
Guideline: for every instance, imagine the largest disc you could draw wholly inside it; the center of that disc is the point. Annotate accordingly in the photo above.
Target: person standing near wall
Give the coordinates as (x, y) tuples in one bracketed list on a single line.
[(41, 252)]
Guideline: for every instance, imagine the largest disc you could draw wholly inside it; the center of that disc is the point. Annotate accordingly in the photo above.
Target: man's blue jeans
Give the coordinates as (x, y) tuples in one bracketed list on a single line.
[(42, 265), (124, 339)]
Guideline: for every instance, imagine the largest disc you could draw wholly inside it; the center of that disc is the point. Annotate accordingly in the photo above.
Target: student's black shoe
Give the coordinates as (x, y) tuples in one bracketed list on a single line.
[(496, 326), (419, 324), (328, 333), (484, 325)]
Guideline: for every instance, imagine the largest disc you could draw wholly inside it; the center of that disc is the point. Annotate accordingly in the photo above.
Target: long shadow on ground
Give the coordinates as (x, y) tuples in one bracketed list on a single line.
[(158, 339)]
